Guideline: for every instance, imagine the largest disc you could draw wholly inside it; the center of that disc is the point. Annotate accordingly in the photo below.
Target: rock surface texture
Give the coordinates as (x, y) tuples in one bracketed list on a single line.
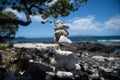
[(77, 64)]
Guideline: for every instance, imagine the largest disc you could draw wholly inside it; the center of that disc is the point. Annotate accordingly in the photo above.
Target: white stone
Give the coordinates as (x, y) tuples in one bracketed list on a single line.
[(61, 32), (64, 41), (99, 58), (111, 58), (64, 74), (63, 59), (31, 60), (77, 67), (63, 53), (66, 62), (61, 26)]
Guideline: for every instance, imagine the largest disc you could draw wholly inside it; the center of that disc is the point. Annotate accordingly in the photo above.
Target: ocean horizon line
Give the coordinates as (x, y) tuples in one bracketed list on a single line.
[(75, 36)]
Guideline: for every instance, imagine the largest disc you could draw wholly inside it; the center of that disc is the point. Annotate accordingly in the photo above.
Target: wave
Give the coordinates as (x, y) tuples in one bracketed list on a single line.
[(110, 42)]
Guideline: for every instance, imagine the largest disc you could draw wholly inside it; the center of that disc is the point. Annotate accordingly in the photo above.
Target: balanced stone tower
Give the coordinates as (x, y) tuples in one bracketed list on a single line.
[(63, 60)]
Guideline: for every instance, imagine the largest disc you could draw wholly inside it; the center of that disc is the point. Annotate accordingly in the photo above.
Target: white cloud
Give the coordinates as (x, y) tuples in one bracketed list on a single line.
[(86, 23), (89, 23), (19, 14), (36, 18), (113, 23)]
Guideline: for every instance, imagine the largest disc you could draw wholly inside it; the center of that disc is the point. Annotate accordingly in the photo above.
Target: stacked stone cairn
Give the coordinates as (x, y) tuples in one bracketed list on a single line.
[(64, 61)]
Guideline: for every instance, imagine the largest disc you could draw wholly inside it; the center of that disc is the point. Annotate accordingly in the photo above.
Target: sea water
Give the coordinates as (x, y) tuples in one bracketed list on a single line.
[(74, 39)]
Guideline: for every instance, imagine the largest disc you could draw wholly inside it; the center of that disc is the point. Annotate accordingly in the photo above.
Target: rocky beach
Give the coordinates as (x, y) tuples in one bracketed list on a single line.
[(88, 61)]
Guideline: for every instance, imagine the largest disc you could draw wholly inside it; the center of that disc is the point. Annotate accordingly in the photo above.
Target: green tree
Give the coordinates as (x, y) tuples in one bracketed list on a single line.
[(46, 8), (7, 30)]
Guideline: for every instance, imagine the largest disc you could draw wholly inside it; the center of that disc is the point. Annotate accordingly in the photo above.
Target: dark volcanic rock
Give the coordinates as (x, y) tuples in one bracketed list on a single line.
[(97, 62)]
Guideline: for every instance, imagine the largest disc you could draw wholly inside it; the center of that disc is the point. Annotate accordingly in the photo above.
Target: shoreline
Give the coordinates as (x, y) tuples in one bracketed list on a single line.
[(77, 47)]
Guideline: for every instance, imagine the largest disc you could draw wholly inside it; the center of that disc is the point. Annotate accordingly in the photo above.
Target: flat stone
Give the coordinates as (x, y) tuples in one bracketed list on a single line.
[(61, 32), (64, 74), (64, 41), (63, 53), (61, 26)]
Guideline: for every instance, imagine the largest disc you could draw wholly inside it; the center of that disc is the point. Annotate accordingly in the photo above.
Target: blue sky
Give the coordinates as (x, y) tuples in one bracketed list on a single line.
[(97, 17)]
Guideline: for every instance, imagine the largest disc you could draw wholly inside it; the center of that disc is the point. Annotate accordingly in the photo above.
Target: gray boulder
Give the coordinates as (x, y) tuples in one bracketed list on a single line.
[(63, 59)]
